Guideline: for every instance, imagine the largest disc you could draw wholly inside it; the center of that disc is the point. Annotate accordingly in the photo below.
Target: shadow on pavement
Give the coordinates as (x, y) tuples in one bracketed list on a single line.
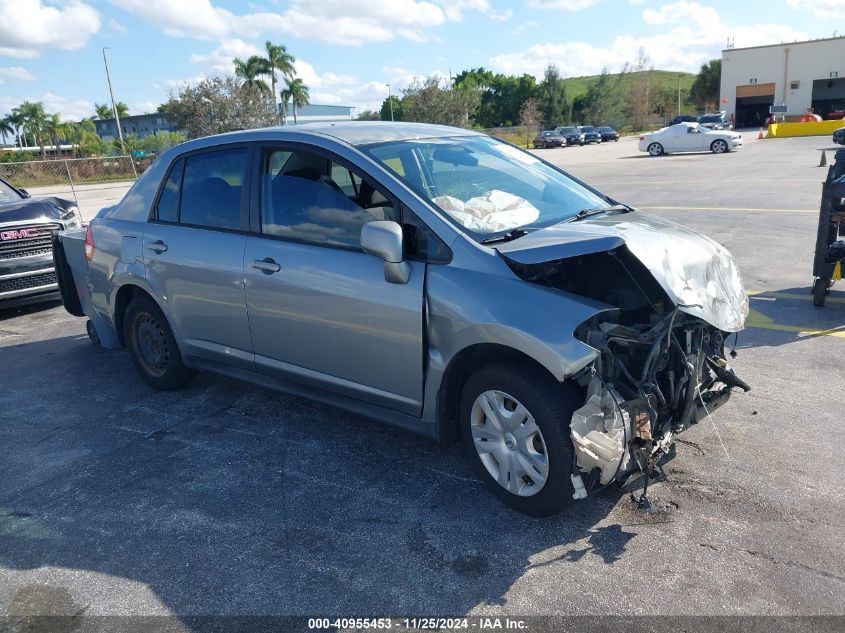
[(229, 499)]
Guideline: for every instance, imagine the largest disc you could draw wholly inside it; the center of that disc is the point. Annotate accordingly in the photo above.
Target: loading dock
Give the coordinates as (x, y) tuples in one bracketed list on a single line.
[(752, 104)]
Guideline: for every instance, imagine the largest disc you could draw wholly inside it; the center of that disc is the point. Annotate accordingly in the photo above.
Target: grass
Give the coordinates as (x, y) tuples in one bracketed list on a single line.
[(658, 79)]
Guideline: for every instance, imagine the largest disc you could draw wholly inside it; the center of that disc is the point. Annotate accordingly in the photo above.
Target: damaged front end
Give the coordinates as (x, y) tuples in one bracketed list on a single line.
[(660, 365)]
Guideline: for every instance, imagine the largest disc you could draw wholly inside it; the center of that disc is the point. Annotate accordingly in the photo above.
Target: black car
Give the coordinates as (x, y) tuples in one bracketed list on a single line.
[(548, 139), (591, 134), (839, 136), (684, 118), (608, 134), (572, 135), (27, 226)]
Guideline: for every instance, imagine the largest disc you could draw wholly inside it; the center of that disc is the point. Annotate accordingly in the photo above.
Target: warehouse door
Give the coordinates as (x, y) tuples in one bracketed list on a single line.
[(829, 97), (752, 104)]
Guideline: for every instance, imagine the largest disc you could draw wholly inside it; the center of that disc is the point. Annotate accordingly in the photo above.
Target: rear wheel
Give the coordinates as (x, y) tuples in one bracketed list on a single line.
[(515, 423), (820, 290), (152, 346), (655, 149), (719, 146)]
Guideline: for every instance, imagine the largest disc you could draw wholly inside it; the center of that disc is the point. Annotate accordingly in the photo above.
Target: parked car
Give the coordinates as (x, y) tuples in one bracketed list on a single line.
[(26, 259), (689, 137), (608, 134), (684, 118), (430, 277), (572, 134), (591, 135), (717, 121), (839, 136), (548, 139)]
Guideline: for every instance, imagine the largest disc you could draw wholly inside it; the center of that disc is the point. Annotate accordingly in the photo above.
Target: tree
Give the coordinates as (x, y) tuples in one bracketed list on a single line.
[(297, 93), (103, 111), (368, 115), (34, 122), (278, 60), (705, 89), (602, 103), (6, 127), (54, 129), (552, 94), (218, 105), (430, 101), (639, 104), (17, 121), (250, 72), (391, 109), (529, 116), (122, 109), (157, 143)]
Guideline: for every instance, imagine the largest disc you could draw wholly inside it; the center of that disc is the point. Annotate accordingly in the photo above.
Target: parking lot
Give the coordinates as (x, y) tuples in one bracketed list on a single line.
[(229, 499)]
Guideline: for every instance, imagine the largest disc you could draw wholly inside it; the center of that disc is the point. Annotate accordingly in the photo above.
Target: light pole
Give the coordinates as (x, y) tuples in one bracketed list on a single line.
[(679, 95), (390, 101), (113, 106)]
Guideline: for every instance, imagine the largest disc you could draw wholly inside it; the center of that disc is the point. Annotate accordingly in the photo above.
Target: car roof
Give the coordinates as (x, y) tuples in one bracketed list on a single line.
[(352, 132)]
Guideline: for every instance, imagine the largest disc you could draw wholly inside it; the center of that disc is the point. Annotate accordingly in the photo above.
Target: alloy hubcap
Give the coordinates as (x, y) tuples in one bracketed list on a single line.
[(509, 443)]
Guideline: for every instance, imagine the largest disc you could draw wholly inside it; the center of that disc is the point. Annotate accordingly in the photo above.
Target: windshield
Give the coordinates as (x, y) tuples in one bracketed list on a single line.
[(712, 118), (483, 185), (7, 194), (587, 128), (567, 130)]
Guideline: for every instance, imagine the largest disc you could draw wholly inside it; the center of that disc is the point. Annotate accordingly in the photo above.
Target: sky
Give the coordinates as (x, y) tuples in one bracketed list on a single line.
[(347, 51)]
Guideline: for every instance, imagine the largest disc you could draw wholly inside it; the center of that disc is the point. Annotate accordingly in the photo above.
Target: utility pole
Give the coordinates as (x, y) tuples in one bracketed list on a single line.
[(113, 106), (679, 95), (390, 101)]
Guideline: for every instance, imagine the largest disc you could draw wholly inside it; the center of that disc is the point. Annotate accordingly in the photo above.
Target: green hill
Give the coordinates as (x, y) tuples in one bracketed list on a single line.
[(659, 79)]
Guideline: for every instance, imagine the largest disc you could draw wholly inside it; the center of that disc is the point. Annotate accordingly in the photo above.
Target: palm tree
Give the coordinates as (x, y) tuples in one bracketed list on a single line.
[(297, 93), (6, 128), (278, 60), (122, 109), (19, 121), (35, 120), (103, 111), (55, 129), (250, 71)]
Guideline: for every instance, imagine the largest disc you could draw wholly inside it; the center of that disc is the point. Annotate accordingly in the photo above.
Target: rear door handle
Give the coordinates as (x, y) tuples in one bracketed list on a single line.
[(266, 265), (157, 247)]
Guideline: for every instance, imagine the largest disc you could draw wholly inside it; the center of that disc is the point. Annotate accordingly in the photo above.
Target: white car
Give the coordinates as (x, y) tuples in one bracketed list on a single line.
[(689, 137)]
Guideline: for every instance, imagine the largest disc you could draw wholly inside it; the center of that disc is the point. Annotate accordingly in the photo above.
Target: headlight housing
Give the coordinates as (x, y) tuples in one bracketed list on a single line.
[(72, 218)]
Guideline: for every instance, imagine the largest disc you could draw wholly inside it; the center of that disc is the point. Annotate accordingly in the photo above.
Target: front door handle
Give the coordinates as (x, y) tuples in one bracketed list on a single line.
[(266, 265), (157, 246)]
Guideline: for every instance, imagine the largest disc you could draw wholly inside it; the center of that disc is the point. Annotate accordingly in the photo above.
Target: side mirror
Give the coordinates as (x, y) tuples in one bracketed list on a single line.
[(383, 239), (24, 193)]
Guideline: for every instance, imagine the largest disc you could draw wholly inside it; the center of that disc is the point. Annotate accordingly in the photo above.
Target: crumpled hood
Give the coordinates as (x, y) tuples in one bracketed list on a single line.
[(697, 273), (34, 209)]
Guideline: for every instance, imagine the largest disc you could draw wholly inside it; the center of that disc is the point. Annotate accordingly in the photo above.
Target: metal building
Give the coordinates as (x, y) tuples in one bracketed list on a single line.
[(803, 76)]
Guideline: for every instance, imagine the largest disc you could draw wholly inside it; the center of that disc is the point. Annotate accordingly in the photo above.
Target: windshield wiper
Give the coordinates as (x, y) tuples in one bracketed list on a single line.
[(507, 237), (585, 213)]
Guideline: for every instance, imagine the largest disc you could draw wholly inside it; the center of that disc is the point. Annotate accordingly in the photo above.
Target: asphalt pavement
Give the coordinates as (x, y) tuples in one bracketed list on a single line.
[(230, 499)]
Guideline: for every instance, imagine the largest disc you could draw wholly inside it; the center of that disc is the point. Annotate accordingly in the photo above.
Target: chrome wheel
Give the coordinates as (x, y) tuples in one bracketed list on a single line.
[(719, 147), (509, 443), (655, 149)]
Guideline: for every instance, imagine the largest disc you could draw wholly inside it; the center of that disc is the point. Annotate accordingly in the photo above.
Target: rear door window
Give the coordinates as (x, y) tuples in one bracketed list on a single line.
[(211, 189)]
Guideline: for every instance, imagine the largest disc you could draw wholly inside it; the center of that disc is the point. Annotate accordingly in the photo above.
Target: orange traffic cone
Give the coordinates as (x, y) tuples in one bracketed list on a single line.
[(760, 135)]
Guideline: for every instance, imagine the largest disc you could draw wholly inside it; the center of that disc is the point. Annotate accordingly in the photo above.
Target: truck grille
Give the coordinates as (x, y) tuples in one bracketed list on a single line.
[(23, 283), (38, 242)]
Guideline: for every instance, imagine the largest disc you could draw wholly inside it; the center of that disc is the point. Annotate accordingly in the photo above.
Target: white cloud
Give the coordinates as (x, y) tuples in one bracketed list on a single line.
[(343, 22), (699, 38), (27, 25), (117, 26), (313, 79), (826, 9), (176, 84), (16, 73), (567, 5), (143, 107), (20, 53), (68, 109), (530, 24), (221, 58), (501, 16)]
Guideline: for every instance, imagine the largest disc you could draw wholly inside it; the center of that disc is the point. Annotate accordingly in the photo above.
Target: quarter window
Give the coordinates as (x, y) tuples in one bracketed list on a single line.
[(309, 197), (168, 201), (211, 189)]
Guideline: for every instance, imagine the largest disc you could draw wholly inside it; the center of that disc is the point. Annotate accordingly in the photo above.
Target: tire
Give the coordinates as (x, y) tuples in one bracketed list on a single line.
[(545, 445), (719, 146), (655, 149), (546, 146), (820, 289), (152, 347)]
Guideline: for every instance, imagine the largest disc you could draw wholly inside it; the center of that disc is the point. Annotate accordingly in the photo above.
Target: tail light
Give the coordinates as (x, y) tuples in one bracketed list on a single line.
[(89, 244), (642, 138)]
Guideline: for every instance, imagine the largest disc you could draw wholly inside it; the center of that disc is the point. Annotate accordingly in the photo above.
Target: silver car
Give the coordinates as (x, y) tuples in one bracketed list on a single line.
[(431, 277)]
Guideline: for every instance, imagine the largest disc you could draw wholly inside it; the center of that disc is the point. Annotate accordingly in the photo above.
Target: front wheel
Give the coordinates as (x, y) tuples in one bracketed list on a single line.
[(152, 347), (515, 423), (718, 146), (655, 149)]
